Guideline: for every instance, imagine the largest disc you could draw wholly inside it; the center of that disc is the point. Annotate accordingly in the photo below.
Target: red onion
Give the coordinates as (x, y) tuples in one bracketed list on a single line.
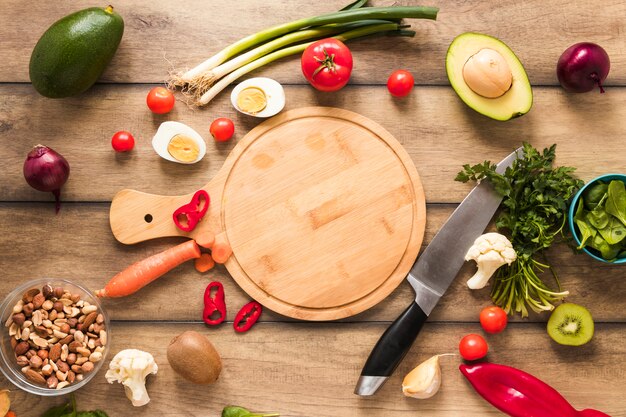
[(583, 66), (46, 170)]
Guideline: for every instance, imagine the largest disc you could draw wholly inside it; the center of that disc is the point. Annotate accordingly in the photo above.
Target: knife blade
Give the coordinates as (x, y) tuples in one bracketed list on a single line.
[(430, 277)]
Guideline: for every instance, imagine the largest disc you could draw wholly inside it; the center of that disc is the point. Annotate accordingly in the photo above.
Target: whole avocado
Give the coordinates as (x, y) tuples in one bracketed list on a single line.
[(72, 54)]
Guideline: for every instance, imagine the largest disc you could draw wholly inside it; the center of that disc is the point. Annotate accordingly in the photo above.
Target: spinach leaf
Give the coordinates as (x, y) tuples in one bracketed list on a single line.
[(594, 194), (58, 411), (607, 251), (236, 411), (598, 218), (614, 232), (616, 201), (586, 230)]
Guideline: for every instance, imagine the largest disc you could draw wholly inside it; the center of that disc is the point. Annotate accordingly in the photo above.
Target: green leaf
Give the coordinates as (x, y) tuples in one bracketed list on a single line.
[(594, 194), (616, 201), (57, 411), (607, 251), (614, 232), (598, 218), (354, 5), (586, 232), (236, 411)]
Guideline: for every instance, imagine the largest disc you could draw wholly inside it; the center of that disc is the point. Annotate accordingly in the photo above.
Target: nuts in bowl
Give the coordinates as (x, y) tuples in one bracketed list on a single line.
[(55, 337)]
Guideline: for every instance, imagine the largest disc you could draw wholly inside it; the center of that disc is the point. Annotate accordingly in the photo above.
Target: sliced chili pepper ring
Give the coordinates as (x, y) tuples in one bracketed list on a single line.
[(217, 303), (187, 216), (247, 316)]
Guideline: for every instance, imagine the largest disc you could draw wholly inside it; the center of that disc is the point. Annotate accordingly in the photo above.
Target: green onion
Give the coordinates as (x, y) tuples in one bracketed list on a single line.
[(213, 75), (389, 27), (195, 75), (345, 16)]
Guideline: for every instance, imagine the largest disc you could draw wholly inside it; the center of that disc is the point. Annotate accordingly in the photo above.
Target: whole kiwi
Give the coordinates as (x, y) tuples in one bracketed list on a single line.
[(194, 358)]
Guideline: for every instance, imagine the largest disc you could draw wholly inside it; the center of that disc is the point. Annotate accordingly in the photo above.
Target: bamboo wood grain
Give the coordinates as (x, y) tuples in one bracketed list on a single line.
[(77, 244), (437, 130), (301, 370), (304, 200), (162, 35)]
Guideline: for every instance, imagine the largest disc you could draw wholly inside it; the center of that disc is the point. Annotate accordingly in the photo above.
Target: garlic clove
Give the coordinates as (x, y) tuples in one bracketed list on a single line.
[(423, 381)]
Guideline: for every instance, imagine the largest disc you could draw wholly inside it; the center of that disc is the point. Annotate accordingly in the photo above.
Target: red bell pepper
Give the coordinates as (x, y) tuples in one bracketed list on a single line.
[(247, 316), (187, 216), (520, 394), (211, 305)]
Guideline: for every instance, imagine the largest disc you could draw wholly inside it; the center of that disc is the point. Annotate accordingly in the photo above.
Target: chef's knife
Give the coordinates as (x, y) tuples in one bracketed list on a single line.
[(430, 276)]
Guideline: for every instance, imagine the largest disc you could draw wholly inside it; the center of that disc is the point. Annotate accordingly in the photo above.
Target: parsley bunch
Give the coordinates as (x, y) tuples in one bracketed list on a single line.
[(533, 213)]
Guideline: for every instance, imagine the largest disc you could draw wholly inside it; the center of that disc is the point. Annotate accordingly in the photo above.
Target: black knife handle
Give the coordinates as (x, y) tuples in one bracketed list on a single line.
[(394, 344)]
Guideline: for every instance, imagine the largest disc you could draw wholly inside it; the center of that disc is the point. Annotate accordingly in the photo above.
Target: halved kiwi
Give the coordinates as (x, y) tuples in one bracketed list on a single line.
[(570, 324)]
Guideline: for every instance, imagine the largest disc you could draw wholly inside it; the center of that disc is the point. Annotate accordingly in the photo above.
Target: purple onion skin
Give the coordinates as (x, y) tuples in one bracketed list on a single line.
[(582, 67), (46, 170)]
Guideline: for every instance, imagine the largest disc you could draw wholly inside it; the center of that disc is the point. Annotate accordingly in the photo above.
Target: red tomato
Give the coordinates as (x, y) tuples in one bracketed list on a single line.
[(122, 141), (400, 83), (327, 64), (493, 319), (222, 129), (473, 347), (160, 100)]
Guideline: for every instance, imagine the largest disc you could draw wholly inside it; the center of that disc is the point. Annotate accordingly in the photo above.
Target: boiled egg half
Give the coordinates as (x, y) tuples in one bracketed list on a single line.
[(259, 97), (178, 142)]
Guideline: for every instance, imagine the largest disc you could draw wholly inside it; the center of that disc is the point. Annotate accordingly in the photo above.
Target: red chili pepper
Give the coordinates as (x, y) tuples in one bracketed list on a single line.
[(520, 394), (247, 316), (211, 305), (187, 216)]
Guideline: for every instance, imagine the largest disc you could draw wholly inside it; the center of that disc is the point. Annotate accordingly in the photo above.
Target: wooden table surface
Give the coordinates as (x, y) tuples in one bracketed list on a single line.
[(299, 368)]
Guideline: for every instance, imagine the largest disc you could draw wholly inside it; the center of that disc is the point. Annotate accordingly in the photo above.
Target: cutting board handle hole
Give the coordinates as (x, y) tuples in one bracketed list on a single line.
[(148, 218)]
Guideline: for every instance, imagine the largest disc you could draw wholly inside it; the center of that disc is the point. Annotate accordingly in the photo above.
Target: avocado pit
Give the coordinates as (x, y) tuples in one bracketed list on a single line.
[(487, 73)]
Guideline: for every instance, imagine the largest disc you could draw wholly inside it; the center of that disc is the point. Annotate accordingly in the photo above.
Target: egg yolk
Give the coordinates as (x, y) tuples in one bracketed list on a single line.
[(251, 100), (487, 73), (183, 148)]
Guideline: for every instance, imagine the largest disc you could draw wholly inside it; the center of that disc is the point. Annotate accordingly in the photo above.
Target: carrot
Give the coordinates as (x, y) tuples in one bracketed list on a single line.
[(221, 249), (204, 263), (10, 414), (205, 239), (142, 273)]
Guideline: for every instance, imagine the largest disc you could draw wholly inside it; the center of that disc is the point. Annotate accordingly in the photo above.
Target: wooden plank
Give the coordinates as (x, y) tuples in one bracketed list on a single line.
[(438, 131), (78, 245), (160, 35), (301, 370)]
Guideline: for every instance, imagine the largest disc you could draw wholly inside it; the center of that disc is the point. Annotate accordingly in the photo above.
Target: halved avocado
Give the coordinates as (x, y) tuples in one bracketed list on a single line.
[(515, 102)]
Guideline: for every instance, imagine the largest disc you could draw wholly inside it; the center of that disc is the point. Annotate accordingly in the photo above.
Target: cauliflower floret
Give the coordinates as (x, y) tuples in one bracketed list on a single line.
[(490, 251), (130, 367)]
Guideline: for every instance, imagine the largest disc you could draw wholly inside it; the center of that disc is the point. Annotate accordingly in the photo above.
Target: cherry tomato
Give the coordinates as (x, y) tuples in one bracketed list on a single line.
[(222, 129), (400, 83), (122, 141), (473, 347), (160, 100), (327, 64), (493, 319)]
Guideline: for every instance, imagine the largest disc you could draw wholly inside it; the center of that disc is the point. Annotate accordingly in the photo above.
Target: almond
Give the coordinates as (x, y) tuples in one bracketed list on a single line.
[(35, 376), (22, 348), (29, 295), (55, 353), (89, 320)]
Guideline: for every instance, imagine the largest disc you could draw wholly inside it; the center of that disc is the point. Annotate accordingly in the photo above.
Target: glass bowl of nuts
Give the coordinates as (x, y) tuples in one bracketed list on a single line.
[(54, 336)]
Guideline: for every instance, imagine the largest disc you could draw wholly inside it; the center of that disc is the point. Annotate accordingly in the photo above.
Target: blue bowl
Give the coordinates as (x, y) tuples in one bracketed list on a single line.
[(572, 210)]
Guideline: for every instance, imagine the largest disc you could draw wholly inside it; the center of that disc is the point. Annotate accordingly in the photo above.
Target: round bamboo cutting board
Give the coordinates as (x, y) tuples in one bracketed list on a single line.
[(323, 208)]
